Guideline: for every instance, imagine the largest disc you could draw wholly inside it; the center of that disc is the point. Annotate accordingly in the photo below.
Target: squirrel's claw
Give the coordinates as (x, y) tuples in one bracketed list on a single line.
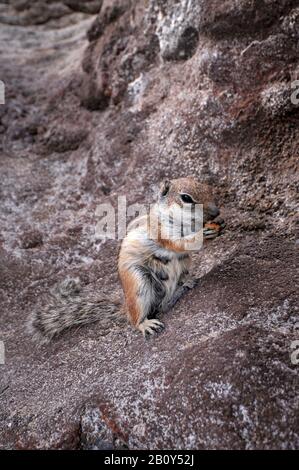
[(150, 327), (213, 229)]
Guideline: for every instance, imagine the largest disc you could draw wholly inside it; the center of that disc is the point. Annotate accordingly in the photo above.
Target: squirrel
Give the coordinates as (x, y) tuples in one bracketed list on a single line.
[(153, 266)]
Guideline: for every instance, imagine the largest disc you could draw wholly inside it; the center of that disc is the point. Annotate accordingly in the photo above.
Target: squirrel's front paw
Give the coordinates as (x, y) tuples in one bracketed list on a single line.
[(213, 229), (150, 327)]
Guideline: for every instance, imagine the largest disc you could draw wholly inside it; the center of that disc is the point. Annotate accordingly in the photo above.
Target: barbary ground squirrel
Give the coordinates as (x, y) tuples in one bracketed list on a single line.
[(153, 270)]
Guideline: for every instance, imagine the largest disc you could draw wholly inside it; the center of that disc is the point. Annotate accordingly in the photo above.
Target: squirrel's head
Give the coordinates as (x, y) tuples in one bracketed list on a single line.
[(182, 194)]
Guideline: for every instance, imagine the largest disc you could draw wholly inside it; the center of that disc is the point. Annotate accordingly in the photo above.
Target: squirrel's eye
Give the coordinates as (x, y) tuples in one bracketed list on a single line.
[(187, 199)]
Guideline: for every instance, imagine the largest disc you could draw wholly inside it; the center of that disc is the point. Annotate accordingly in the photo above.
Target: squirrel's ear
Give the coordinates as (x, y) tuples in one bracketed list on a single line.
[(164, 188)]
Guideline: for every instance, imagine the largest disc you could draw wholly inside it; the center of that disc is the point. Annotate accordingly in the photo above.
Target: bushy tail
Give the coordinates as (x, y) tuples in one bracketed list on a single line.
[(70, 305)]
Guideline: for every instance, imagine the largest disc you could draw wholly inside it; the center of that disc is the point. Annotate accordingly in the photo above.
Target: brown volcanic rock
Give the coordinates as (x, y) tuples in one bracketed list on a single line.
[(220, 375), (107, 105), (26, 12)]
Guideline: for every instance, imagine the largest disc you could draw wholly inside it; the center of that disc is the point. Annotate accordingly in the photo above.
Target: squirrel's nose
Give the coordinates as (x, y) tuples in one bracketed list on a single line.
[(213, 211)]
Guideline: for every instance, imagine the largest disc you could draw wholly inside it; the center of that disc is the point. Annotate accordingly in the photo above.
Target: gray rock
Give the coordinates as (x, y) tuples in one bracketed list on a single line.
[(157, 89)]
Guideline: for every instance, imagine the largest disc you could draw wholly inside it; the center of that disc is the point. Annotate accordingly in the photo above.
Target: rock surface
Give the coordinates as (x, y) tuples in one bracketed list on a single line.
[(106, 98)]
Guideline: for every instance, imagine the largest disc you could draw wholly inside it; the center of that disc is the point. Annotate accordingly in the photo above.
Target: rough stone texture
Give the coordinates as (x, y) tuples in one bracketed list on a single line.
[(104, 105)]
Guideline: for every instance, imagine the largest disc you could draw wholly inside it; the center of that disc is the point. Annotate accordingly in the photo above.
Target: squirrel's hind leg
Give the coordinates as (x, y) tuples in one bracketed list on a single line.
[(179, 292), (144, 294), (150, 294)]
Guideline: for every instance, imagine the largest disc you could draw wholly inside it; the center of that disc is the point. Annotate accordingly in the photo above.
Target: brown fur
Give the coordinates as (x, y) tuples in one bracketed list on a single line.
[(129, 286)]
